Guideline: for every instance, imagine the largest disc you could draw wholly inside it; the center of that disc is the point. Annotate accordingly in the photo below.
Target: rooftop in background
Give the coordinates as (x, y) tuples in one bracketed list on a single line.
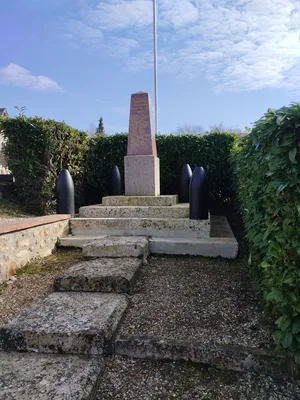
[(3, 112)]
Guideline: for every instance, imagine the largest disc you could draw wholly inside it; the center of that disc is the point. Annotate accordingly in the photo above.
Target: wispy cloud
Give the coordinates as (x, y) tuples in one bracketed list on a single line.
[(121, 14), (78, 32), (238, 45), (178, 13), (18, 76), (121, 46)]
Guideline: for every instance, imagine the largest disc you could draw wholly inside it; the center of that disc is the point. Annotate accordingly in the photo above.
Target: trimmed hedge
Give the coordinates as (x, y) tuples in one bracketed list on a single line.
[(268, 185), (211, 151), (36, 151)]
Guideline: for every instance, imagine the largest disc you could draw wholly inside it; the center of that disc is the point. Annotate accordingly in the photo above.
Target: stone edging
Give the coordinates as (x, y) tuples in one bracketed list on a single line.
[(32, 222), (223, 356)]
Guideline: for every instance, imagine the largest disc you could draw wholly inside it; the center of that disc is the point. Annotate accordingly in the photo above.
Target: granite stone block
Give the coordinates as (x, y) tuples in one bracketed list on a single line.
[(72, 323), (116, 247), (45, 377), (101, 275), (141, 139), (142, 176)]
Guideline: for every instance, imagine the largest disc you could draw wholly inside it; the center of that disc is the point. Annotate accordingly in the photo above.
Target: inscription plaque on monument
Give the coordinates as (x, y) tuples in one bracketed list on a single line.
[(141, 163)]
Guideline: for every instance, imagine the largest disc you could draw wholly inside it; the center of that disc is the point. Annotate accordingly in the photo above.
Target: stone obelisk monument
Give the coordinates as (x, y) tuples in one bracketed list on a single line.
[(142, 177)]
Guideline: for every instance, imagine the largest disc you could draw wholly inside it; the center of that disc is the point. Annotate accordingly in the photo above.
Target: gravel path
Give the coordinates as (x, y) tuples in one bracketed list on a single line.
[(125, 378), (195, 299)]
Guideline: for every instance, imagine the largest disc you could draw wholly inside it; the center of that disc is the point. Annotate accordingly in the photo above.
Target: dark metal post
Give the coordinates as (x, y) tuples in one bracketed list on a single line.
[(198, 195), (65, 194), (116, 182), (184, 184)]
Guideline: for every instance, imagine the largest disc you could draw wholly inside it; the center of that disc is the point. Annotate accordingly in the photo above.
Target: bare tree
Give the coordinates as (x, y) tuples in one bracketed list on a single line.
[(92, 129), (222, 128), (189, 130)]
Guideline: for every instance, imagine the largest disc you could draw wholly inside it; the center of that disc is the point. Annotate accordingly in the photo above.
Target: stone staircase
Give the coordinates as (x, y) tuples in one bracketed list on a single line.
[(56, 348), (79, 320), (160, 219)]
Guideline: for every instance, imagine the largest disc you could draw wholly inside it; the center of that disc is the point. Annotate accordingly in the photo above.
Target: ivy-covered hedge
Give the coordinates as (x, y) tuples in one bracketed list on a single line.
[(212, 151), (36, 150), (268, 185)]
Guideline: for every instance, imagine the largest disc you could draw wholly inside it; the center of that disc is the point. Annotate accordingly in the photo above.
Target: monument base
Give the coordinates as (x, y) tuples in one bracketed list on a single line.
[(142, 177)]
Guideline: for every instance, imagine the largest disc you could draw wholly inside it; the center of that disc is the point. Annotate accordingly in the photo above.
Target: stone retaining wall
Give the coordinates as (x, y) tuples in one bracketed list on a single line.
[(25, 240)]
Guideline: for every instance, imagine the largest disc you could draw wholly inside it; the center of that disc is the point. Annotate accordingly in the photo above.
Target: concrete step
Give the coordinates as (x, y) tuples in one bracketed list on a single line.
[(212, 247), (140, 200), (78, 241), (101, 275), (48, 376), (73, 323), (222, 356), (117, 246), (100, 211), (157, 227)]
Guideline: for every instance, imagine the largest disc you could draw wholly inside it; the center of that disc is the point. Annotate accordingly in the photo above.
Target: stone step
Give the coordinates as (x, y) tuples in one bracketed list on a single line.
[(223, 356), (140, 200), (156, 227), (101, 275), (78, 241), (212, 247), (117, 246), (100, 211), (73, 323), (27, 376)]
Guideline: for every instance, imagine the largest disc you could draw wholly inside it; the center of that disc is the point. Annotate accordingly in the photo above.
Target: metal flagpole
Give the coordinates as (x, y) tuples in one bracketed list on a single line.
[(155, 66)]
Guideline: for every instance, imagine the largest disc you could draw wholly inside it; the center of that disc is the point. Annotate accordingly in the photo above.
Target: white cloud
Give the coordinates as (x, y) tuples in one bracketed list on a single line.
[(248, 45), (15, 75), (78, 31), (120, 47), (178, 12), (121, 14), (238, 45)]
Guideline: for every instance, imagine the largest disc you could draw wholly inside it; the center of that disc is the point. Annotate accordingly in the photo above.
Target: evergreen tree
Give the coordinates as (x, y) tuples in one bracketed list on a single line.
[(100, 129)]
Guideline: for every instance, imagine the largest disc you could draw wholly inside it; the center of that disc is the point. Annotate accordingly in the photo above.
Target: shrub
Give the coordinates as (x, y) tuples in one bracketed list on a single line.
[(211, 151), (268, 186), (104, 152), (36, 150)]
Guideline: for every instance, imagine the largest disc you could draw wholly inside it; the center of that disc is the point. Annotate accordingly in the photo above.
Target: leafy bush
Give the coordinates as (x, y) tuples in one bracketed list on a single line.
[(211, 151), (36, 151), (268, 185)]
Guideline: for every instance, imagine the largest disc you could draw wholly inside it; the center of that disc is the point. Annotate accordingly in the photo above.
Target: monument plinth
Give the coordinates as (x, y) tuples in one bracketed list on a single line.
[(142, 177)]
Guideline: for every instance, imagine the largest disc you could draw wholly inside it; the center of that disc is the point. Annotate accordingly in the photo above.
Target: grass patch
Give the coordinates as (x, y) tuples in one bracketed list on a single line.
[(3, 286), (63, 258), (9, 209)]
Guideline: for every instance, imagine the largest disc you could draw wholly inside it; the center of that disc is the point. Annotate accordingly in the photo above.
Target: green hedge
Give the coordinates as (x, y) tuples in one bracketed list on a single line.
[(211, 151), (268, 185), (36, 150)]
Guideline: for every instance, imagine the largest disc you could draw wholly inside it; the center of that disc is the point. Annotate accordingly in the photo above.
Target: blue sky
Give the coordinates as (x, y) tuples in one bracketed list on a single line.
[(219, 61)]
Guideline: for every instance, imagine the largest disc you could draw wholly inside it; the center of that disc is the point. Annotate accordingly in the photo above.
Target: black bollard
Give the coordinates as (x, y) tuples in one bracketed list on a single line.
[(65, 194), (198, 195), (115, 182), (184, 184)]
